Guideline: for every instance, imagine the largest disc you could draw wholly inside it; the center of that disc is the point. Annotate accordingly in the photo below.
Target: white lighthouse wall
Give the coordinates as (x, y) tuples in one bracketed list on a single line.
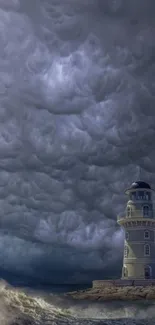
[(135, 261), (138, 259), (136, 269), (137, 208), (137, 235)]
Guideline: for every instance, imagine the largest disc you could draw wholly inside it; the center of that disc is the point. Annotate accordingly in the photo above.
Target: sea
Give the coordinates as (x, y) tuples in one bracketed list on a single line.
[(25, 304)]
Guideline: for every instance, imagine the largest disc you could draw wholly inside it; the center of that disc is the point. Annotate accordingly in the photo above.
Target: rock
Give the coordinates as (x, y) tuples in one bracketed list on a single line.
[(115, 293)]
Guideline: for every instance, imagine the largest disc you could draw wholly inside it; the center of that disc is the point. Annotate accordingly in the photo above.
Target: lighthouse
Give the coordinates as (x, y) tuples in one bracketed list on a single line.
[(138, 223)]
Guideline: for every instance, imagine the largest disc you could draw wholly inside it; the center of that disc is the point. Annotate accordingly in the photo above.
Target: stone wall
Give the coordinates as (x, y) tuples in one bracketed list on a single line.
[(121, 283), (103, 283)]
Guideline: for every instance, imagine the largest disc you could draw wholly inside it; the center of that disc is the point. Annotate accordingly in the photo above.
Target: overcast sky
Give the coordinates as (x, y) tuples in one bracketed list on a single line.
[(77, 114)]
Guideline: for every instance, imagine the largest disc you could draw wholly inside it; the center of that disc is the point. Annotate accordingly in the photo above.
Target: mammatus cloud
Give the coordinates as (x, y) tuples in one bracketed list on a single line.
[(77, 119)]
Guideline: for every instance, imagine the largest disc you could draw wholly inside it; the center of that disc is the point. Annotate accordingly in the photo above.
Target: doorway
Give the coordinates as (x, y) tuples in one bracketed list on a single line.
[(148, 272), (125, 272)]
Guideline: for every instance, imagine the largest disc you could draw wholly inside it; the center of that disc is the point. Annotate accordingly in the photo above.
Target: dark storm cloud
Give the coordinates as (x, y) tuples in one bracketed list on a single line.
[(77, 119)]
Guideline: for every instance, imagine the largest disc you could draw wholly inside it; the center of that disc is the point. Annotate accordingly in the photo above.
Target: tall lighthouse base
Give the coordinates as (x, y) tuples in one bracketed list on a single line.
[(123, 283), (127, 290)]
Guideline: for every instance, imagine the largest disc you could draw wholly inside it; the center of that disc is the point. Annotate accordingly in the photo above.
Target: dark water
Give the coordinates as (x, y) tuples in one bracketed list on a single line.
[(42, 305)]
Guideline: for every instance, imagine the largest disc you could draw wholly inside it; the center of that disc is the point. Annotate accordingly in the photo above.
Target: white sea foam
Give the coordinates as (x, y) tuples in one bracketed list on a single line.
[(24, 306)]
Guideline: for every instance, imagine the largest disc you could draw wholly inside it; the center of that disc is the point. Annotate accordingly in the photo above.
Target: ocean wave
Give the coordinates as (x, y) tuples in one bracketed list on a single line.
[(20, 308)]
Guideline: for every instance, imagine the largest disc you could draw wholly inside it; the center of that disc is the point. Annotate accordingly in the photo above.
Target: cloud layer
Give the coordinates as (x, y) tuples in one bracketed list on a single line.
[(77, 120)]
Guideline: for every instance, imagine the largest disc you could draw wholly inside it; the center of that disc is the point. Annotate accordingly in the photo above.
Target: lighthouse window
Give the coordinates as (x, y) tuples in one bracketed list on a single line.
[(126, 251), (129, 212), (146, 196), (147, 250), (140, 195), (146, 234), (127, 236), (148, 272), (145, 211), (125, 272)]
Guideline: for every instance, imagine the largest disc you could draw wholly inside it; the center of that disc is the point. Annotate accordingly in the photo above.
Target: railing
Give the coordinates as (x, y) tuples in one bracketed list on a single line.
[(136, 214)]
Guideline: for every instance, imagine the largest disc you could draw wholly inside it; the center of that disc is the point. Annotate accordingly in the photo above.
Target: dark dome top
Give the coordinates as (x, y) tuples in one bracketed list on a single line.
[(139, 184)]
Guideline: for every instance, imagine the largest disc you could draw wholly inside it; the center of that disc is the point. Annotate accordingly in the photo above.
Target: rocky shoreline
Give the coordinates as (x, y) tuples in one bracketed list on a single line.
[(115, 293)]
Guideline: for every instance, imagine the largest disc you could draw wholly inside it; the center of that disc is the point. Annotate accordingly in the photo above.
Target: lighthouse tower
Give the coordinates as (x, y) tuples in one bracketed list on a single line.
[(139, 226)]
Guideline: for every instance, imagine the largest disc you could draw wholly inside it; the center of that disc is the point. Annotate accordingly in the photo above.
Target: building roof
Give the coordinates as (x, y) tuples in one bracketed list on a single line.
[(138, 185)]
